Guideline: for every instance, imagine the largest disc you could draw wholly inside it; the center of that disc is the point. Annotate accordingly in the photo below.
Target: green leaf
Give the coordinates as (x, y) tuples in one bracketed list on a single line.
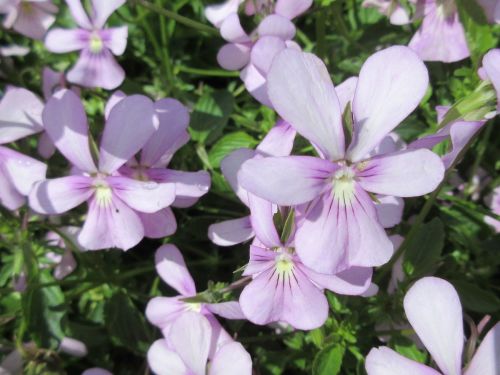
[(288, 226), (227, 144), (424, 251), (476, 298), (328, 361), (407, 348)]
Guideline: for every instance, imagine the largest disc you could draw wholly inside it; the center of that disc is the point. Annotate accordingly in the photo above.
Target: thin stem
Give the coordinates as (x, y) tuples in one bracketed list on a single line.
[(207, 72), (165, 55)]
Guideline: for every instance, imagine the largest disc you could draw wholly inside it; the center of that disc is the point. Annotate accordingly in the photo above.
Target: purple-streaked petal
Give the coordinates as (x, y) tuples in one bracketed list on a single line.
[(23, 171), (345, 92), (174, 119), (389, 174), (278, 141), (190, 336), (162, 311), (79, 14), (231, 232), (232, 31), (264, 51), (308, 102), (256, 84), (131, 123), (113, 224), (113, 100), (97, 70), (102, 10), (64, 40), (164, 361), (59, 195), (277, 26), (234, 56), (491, 64), (20, 114), (65, 122), (217, 13), (385, 361), (172, 269), (288, 180), (353, 281), (292, 8), (261, 217), (228, 310), (73, 347), (115, 39), (486, 360), (433, 309), (389, 210), (158, 224), (231, 165), (230, 359), (260, 259), (391, 84)]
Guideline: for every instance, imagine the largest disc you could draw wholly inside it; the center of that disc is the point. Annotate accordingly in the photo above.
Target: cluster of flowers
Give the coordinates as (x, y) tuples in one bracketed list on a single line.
[(316, 222)]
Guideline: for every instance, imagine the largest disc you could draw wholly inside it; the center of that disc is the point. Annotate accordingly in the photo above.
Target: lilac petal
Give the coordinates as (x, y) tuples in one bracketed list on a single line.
[(234, 56), (65, 122), (174, 119), (113, 100), (256, 84), (96, 371), (51, 80), (164, 361), (219, 335), (79, 14), (34, 22), (308, 102), (66, 266), (278, 141), (434, 311), (143, 196), (73, 347), (353, 281), (9, 196), (232, 31), (260, 260), (158, 224), (264, 51), (336, 235), (115, 39), (230, 359), (172, 269), (228, 310), (13, 50), (391, 84), (190, 336), (59, 195), (230, 167), (63, 40), (345, 92), (389, 144), (491, 62), (485, 361), (277, 26), (440, 38), (288, 180), (389, 210), (131, 123), (292, 8), (187, 184), (162, 311), (23, 171), (20, 114), (110, 225), (102, 11), (217, 13), (231, 232), (389, 174), (262, 213), (385, 361), (97, 70), (461, 133)]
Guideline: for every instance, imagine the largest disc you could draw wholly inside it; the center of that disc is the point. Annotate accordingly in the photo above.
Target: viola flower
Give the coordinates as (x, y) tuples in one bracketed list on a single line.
[(186, 351), (490, 71), (31, 18), (341, 228), (113, 200), (493, 201), (163, 311), (433, 309), (396, 13), (20, 116), (278, 142), (96, 66), (152, 165), (65, 264), (283, 289), (441, 37)]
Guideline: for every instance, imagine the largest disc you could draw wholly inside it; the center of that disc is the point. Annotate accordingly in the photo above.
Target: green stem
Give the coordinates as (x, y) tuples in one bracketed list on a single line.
[(165, 55), (207, 72)]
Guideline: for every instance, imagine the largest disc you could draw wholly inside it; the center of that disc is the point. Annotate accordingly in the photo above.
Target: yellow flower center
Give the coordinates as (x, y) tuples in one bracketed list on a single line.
[(26, 7), (284, 264), (193, 306), (95, 43), (103, 193), (343, 186), (446, 8)]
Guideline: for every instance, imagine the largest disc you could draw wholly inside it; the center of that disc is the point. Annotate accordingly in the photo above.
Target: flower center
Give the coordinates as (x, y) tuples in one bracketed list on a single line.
[(343, 185), (103, 193), (95, 43), (193, 306), (26, 7), (446, 8), (140, 174), (284, 264)]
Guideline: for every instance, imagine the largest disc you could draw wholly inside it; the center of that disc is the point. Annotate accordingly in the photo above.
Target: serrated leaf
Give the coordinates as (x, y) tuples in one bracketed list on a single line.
[(328, 361), (227, 144)]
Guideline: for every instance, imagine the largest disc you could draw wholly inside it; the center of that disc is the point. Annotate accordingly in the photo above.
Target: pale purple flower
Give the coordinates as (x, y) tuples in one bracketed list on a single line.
[(153, 161), (20, 116), (96, 66), (491, 9), (493, 200), (396, 13), (73, 347), (441, 37), (186, 348), (28, 17), (163, 311), (65, 263), (96, 371), (283, 289), (433, 309), (113, 200), (13, 50), (341, 228), (278, 142), (491, 71)]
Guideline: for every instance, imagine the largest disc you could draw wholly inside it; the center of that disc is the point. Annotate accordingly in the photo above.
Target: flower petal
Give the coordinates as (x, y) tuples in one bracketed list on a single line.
[(103, 9), (308, 102), (230, 359), (158, 224), (187, 184), (391, 84), (164, 361), (115, 38), (278, 141), (231, 232), (228, 310), (288, 180), (232, 31), (264, 51), (23, 171), (256, 84), (389, 210), (79, 14), (65, 122), (292, 8), (389, 174), (9, 196), (162, 311), (262, 213), (277, 26), (35, 22), (353, 281), (486, 360), (217, 13), (385, 361), (96, 371), (434, 311), (59, 195), (491, 66), (231, 165), (345, 92), (172, 269), (233, 56), (63, 40), (113, 100), (131, 123)]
